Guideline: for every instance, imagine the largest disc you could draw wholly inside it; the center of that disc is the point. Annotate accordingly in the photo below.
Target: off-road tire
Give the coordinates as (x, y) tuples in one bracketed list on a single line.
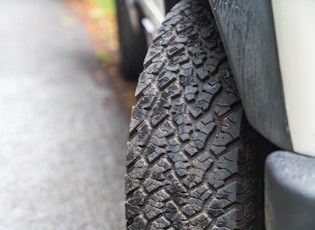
[(193, 161), (132, 43)]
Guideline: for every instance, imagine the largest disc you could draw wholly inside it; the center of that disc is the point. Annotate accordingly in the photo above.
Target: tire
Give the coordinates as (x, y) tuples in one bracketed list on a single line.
[(133, 45), (193, 160)]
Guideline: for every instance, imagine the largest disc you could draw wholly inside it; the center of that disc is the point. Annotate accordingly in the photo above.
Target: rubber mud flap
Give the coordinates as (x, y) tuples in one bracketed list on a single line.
[(290, 191)]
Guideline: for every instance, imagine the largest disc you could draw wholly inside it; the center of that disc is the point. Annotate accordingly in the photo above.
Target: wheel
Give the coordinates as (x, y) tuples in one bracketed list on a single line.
[(193, 160), (132, 42)]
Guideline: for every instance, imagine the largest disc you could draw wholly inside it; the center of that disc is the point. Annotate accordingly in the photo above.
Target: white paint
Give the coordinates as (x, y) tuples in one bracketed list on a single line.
[(154, 10), (295, 31)]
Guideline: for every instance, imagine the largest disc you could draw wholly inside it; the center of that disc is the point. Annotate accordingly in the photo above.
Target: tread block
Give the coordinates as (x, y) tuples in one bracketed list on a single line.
[(174, 91), (171, 21), (153, 209), (135, 175), (153, 152), (137, 117), (151, 54), (135, 204), (167, 129), (165, 39), (230, 131), (143, 136), (227, 166), (150, 184), (184, 132), (161, 142), (195, 111), (181, 168), (176, 190), (154, 68), (228, 220), (197, 170), (232, 124), (202, 221), (175, 216), (158, 115), (190, 92), (227, 100), (217, 206), (228, 192), (206, 125), (158, 35), (133, 153), (145, 102), (191, 149), (198, 198), (165, 79), (185, 35), (180, 27), (139, 223), (144, 81), (160, 196), (174, 49), (161, 223), (176, 61)]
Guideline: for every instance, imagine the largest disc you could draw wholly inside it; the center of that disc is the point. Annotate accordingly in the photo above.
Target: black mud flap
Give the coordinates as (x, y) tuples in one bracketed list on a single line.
[(289, 191)]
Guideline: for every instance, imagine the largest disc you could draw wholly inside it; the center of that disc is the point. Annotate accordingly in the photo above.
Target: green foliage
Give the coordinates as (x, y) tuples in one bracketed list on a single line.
[(102, 56), (106, 5)]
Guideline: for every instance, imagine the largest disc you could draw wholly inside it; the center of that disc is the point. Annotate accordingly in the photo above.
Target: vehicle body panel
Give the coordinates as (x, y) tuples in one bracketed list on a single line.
[(247, 31), (154, 10), (295, 31)]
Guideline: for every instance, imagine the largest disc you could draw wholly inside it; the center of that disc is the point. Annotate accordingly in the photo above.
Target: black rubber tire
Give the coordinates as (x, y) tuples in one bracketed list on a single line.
[(132, 43), (193, 161)]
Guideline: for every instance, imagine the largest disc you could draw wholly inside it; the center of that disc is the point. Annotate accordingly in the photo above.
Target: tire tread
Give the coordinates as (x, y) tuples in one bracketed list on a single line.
[(188, 166)]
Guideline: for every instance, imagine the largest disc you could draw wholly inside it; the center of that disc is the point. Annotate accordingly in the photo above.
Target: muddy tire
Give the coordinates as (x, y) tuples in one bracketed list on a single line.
[(132, 43), (193, 161)]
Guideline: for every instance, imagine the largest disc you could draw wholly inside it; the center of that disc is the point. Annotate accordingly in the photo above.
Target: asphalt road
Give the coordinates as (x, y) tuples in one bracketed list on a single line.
[(62, 148)]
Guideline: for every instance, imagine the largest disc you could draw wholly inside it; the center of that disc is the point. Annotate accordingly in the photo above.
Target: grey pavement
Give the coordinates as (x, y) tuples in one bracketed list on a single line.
[(62, 149)]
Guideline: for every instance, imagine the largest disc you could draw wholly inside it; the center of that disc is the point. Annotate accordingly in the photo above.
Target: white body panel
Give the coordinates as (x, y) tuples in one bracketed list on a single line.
[(154, 10), (295, 32)]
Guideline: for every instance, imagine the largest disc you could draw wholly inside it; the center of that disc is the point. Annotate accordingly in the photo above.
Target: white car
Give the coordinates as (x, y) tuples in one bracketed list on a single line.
[(224, 84)]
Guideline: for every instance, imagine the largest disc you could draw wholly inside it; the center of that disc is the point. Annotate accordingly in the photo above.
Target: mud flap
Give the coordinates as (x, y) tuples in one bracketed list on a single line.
[(289, 191)]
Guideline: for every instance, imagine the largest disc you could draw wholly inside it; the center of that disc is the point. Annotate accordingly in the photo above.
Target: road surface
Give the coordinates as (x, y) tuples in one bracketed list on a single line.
[(62, 148)]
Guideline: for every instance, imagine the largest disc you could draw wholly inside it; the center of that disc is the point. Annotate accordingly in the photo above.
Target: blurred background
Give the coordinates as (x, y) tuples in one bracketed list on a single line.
[(100, 21), (64, 120)]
